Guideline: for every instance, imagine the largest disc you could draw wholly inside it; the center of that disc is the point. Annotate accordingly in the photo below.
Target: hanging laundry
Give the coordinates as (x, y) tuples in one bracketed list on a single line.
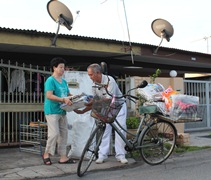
[(38, 88), (17, 81)]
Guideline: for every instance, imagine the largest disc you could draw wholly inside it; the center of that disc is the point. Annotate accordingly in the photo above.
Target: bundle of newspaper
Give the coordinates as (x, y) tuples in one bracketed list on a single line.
[(152, 92), (78, 101)]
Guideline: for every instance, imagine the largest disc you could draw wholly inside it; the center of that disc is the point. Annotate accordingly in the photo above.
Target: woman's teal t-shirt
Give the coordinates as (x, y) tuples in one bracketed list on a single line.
[(60, 90)]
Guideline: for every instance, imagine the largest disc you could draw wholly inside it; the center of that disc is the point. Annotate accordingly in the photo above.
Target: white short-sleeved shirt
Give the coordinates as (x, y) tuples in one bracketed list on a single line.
[(112, 87)]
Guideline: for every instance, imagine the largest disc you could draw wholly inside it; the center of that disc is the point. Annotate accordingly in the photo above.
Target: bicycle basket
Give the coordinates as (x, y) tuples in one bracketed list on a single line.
[(106, 109)]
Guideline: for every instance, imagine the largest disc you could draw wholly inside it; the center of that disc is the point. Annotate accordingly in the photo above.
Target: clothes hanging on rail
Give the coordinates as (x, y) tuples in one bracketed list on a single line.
[(17, 81), (38, 87), (35, 83)]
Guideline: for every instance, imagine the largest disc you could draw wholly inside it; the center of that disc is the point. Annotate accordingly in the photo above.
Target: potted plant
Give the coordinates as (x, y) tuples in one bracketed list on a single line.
[(132, 123)]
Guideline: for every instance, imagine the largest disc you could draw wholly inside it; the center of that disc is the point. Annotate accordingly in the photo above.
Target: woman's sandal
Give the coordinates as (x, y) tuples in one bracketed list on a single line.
[(47, 161), (69, 161)]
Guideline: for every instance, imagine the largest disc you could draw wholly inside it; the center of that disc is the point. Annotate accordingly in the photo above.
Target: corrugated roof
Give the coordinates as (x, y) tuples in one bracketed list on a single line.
[(35, 32)]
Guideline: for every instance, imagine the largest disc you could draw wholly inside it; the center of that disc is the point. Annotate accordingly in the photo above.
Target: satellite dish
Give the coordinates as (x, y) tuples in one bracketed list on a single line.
[(61, 15), (162, 29)]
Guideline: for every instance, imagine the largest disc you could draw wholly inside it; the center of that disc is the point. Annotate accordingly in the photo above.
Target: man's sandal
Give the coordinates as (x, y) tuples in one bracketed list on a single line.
[(47, 161)]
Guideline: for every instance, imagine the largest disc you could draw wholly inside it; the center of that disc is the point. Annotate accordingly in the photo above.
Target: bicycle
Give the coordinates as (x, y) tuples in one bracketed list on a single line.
[(155, 138)]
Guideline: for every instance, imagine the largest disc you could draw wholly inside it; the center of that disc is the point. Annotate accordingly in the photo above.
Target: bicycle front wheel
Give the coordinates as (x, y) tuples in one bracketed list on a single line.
[(90, 151), (158, 142)]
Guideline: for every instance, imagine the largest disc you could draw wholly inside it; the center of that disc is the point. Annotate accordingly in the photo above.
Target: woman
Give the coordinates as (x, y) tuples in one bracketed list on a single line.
[(56, 93)]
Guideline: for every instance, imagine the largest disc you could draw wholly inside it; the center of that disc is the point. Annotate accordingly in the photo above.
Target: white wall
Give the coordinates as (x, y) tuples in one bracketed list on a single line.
[(84, 85)]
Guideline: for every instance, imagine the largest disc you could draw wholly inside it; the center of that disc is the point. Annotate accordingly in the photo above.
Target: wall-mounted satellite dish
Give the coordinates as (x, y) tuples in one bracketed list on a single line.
[(61, 15), (162, 29)]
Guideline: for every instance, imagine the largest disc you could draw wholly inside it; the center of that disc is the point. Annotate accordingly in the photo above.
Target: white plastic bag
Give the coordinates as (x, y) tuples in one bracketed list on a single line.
[(81, 129), (152, 92), (161, 107), (184, 106)]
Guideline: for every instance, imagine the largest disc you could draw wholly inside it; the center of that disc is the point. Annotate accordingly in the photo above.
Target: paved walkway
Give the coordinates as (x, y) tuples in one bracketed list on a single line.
[(200, 138), (23, 165), (16, 165)]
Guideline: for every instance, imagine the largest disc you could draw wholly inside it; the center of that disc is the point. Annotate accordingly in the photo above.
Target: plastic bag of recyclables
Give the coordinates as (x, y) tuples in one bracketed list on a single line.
[(152, 92), (167, 97), (161, 107), (78, 101), (184, 107), (169, 102)]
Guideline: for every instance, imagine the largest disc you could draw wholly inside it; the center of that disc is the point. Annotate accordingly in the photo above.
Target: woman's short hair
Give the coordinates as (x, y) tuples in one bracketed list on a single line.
[(56, 61)]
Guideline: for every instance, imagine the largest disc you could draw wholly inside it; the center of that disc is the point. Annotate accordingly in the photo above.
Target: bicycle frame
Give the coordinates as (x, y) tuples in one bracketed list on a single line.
[(155, 138), (130, 142)]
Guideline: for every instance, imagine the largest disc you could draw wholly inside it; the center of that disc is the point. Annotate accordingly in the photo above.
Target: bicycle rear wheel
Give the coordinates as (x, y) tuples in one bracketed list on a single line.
[(158, 141), (90, 151)]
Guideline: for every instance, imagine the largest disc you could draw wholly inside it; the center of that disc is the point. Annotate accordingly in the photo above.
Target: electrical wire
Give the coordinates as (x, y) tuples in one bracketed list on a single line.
[(131, 52), (77, 15), (121, 23), (103, 2), (128, 32)]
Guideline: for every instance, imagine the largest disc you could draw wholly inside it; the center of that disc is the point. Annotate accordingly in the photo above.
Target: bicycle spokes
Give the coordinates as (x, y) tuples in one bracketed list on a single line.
[(158, 142)]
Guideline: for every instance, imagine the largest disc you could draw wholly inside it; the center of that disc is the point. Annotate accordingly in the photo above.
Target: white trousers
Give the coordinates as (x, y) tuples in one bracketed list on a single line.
[(119, 143), (57, 134)]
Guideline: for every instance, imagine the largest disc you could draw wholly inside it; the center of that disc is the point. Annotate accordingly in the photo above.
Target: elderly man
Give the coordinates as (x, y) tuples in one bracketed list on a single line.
[(95, 74)]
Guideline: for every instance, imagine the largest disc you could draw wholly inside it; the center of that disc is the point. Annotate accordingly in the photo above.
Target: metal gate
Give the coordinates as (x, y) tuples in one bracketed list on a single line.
[(21, 98), (202, 89), (25, 103)]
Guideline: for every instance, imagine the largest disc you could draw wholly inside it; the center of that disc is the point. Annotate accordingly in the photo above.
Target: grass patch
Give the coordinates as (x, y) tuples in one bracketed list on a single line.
[(177, 150), (134, 154), (183, 149)]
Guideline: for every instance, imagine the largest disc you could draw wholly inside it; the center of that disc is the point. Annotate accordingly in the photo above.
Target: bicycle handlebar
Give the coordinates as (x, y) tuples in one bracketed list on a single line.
[(142, 85)]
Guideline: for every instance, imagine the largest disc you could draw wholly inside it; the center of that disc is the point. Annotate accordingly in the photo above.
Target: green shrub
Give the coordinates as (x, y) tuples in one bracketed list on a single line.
[(132, 122)]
